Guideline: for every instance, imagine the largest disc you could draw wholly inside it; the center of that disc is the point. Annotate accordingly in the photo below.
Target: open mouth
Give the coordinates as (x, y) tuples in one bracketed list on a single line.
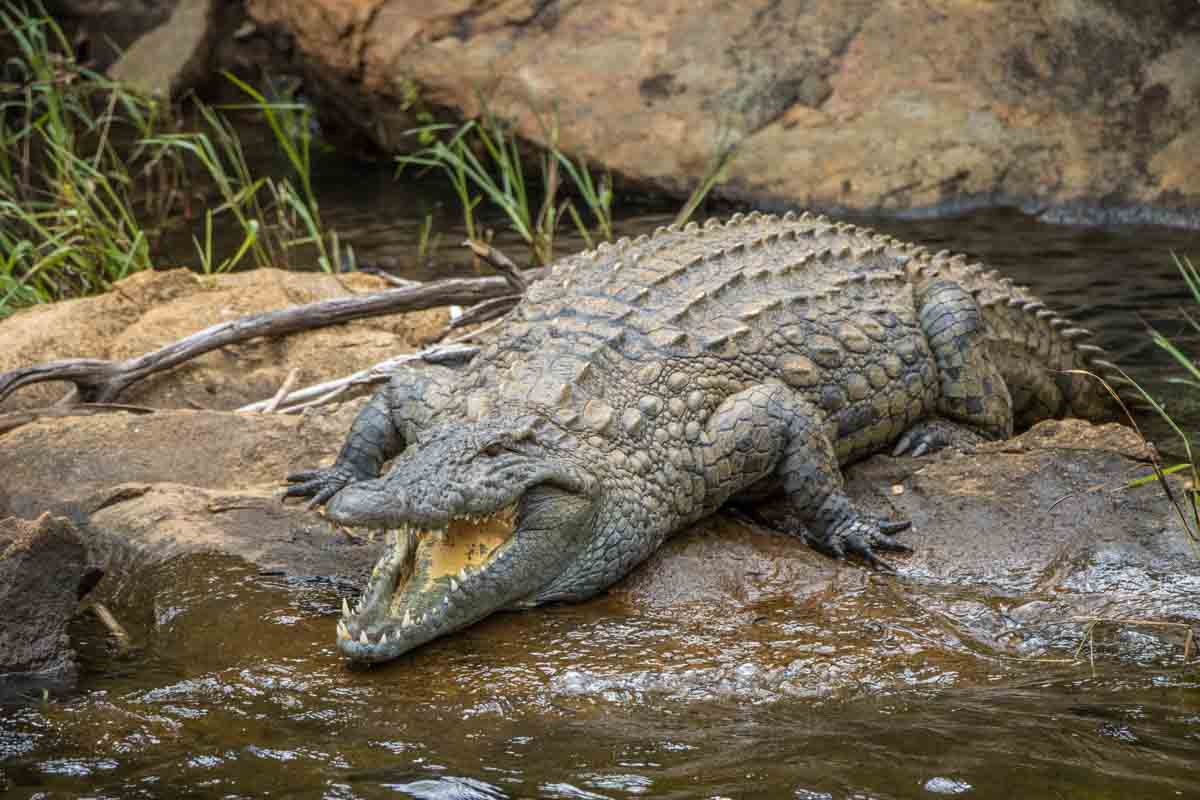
[(424, 583)]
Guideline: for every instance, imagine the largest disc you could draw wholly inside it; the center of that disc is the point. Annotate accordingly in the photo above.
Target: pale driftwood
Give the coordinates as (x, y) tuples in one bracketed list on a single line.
[(449, 352), (102, 381), (329, 390), (121, 636), (401, 283), (284, 390)]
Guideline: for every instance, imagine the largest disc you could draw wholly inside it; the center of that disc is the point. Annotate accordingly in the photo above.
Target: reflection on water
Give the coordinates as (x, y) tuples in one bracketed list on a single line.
[(236, 689)]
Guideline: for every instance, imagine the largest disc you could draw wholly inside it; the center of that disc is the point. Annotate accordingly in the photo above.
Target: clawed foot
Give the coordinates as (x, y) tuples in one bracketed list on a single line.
[(931, 435), (320, 484), (858, 536)]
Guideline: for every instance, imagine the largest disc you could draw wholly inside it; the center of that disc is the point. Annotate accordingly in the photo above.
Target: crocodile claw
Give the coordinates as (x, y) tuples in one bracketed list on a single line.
[(931, 435), (319, 484), (859, 537)]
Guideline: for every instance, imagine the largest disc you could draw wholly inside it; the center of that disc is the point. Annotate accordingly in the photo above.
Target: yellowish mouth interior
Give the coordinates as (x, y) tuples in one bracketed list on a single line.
[(465, 546)]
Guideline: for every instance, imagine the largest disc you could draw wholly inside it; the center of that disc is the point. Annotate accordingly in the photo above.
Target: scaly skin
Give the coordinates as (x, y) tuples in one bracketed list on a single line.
[(640, 387)]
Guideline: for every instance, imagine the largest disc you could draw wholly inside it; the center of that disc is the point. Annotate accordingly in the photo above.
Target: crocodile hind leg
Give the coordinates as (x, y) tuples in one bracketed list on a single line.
[(973, 402), (769, 434), (385, 426)]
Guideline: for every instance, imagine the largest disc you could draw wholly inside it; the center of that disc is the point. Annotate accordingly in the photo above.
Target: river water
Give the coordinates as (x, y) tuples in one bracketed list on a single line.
[(234, 688)]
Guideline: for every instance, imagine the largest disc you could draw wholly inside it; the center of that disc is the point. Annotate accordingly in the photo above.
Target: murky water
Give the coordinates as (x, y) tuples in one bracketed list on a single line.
[(236, 690)]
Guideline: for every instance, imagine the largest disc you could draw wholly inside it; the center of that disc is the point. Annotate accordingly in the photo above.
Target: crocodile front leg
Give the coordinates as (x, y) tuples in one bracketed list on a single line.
[(769, 433), (385, 426)]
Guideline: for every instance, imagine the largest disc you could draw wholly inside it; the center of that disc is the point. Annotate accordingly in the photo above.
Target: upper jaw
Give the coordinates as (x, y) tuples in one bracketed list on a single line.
[(393, 502)]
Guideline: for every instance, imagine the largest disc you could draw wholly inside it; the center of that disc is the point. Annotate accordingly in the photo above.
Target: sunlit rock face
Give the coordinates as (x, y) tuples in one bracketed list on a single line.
[(1077, 110)]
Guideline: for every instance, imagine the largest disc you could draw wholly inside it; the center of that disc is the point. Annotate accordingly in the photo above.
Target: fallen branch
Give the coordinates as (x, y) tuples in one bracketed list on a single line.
[(102, 381), (121, 637), (452, 351)]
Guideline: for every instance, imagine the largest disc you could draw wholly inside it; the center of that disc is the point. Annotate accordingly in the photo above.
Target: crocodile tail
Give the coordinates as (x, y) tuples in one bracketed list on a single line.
[(1050, 366)]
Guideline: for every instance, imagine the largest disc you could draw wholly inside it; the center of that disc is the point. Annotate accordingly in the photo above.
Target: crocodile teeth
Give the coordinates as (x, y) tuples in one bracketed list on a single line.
[(345, 608), (407, 618), (363, 638), (462, 574), (453, 585), (342, 630)]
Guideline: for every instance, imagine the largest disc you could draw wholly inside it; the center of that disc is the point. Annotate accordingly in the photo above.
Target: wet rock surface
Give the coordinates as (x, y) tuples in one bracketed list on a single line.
[(1023, 549), (45, 569), (907, 107)]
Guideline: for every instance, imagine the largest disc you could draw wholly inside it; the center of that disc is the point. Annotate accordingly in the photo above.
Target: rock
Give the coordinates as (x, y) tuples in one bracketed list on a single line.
[(45, 568), (174, 56), (144, 525), (108, 27), (74, 466), (852, 105), (150, 309), (153, 487)]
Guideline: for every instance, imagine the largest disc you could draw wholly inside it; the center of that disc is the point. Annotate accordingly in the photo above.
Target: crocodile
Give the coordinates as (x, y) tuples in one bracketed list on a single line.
[(643, 385)]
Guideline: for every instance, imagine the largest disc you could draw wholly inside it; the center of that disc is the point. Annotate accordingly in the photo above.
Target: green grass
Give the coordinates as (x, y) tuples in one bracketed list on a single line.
[(1187, 502), (92, 173), (78, 211), (275, 215), (67, 220), (482, 159)]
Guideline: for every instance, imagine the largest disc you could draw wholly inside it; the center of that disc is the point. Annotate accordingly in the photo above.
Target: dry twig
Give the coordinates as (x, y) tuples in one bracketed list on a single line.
[(284, 390), (501, 263)]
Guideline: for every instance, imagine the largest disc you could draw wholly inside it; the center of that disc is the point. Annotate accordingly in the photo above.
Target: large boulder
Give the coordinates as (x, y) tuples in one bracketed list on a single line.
[(1077, 109)]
